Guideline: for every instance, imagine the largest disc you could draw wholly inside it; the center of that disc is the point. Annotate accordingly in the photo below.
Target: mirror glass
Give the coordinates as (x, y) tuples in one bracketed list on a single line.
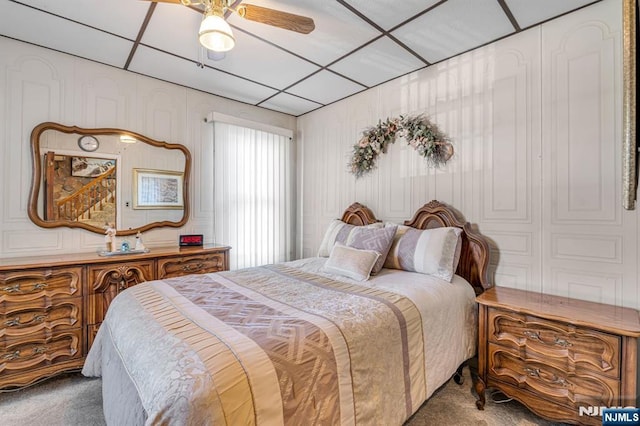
[(93, 178)]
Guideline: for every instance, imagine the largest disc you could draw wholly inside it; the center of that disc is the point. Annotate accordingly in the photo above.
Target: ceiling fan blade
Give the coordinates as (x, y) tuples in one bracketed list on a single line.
[(277, 18)]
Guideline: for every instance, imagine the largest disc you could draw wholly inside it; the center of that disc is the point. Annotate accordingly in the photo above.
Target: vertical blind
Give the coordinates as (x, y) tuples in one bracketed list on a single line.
[(253, 194)]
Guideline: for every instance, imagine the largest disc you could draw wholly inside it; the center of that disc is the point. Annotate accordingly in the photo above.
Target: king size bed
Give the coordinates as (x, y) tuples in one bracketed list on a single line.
[(362, 334)]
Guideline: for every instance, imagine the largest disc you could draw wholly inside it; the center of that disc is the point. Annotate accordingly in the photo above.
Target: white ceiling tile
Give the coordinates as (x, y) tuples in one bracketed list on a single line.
[(325, 87), (120, 17), (63, 35), (379, 61), (290, 104), (337, 31), (528, 13), (263, 63), (389, 13), (174, 28), (267, 59), (170, 68), (455, 27)]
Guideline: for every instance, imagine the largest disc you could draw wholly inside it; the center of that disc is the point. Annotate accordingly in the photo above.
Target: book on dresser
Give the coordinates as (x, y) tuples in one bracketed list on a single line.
[(564, 359), (52, 306)]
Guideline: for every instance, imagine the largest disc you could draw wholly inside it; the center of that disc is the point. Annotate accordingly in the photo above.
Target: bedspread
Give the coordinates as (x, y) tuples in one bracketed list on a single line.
[(267, 345)]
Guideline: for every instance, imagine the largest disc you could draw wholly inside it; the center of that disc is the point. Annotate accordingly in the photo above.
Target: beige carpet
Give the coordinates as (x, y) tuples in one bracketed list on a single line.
[(73, 400)]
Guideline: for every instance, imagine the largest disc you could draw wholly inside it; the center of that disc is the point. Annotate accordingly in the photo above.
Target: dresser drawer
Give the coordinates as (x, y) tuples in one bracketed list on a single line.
[(39, 317), (32, 284), (118, 276), (556, 385), (195, 264), (561, 344), (26, 353)]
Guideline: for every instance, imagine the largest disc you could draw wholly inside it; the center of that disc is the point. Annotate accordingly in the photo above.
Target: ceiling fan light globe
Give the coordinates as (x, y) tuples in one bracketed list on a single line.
[(215, 34)]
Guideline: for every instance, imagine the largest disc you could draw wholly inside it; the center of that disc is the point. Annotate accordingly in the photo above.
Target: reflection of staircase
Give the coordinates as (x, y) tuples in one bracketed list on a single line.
[(94, 200)]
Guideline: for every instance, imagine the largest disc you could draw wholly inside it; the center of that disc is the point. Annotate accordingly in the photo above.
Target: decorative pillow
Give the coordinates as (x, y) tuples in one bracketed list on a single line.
[(351, 262), (339, 231), (429, 251), (379, 240)]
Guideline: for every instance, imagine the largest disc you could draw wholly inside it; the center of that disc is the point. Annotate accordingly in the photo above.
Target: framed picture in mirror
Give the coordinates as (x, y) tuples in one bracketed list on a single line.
[(91, 167), (157, 189)]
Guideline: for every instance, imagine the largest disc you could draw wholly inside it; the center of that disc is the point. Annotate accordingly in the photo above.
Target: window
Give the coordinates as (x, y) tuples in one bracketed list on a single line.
[(253, 194)]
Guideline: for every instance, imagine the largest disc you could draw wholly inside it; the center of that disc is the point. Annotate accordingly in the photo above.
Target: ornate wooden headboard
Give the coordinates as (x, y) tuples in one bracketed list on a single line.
[(474, 255)]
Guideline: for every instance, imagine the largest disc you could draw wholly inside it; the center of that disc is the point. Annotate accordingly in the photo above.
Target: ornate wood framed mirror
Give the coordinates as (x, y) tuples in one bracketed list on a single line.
[(89, 178)]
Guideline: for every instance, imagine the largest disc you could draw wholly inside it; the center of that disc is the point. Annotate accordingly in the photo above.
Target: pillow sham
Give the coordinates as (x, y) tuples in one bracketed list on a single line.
[(430, 251), (351, 262), (339, 231), (379, 240)]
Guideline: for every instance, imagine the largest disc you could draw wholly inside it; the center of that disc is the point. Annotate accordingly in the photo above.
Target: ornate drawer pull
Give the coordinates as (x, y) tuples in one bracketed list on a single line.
[(12, 322), (12, 288), (40, 286), (12, 356), (16, 287), (562, 342), (532, 334), (16, 321), (40, 350), (533, 372), (193, 267)]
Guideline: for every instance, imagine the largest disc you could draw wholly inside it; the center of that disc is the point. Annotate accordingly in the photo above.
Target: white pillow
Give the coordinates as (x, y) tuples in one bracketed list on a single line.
[(431, 251), (339, 231), (351, 262)]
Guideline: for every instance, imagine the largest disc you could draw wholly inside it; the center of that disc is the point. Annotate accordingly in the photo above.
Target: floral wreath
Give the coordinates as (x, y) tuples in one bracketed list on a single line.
[(419, 132)]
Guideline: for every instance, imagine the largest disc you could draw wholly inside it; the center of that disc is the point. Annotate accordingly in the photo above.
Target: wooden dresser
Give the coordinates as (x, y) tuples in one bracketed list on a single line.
[(556, 354), (51, 306)]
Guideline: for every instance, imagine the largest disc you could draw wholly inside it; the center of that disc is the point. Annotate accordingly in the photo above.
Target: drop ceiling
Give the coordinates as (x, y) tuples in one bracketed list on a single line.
[(356, 44)]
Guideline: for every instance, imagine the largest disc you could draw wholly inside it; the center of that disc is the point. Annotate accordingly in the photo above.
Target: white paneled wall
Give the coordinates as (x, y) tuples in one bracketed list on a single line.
[(535, 120), (38, 85)]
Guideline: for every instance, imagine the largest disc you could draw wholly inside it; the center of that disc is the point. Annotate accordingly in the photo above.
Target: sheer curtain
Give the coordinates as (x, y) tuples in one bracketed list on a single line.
[(253, 194)]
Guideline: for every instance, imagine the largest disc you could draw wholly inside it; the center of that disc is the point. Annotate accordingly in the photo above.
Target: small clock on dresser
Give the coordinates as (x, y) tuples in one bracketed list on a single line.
[(88, 143)]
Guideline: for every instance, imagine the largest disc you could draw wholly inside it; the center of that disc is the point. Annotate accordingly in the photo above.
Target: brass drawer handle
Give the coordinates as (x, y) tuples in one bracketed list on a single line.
[(14, 322), (562, 342), (533, 372), (532, 335)]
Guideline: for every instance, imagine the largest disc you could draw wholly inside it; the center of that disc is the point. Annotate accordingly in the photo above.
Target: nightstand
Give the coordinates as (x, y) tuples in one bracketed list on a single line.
[(556, 354)]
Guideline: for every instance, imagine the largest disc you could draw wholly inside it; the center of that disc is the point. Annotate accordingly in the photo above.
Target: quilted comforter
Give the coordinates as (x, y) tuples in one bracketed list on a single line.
[(279, 344)]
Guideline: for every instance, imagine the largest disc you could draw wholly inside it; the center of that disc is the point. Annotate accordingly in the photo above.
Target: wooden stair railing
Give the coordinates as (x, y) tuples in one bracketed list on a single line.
[(91, 197)]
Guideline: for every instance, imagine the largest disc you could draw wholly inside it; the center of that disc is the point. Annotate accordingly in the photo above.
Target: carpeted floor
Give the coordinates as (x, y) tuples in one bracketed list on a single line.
[(74, 400)]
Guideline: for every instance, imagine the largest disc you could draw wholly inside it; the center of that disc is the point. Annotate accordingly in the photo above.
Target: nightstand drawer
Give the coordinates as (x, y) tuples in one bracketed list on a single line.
[(540, 378), (561, 344)]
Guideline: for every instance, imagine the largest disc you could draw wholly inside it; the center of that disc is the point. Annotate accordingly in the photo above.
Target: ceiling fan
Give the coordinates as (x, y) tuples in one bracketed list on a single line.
[(215, 33)]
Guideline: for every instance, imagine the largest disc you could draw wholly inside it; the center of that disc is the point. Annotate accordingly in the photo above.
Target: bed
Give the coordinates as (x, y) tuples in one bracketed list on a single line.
[(302, 342)]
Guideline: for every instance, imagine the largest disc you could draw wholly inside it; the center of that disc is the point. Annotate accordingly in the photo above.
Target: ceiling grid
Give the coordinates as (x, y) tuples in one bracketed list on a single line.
[(355, 45)]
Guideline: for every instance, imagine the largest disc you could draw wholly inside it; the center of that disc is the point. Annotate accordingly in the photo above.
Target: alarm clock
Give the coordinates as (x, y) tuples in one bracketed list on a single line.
[(191, 240)]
